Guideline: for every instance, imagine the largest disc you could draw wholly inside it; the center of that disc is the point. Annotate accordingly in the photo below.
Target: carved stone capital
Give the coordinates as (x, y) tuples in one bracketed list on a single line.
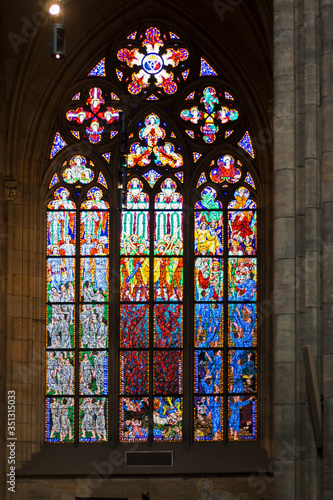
[(12, 191)]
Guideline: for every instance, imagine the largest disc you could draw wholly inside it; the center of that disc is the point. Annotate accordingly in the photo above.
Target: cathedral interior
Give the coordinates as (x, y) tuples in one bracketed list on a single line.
[(190, 145)]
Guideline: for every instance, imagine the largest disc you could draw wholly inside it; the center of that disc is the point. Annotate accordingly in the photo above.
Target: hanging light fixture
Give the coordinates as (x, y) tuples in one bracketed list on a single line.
[(58, 33)]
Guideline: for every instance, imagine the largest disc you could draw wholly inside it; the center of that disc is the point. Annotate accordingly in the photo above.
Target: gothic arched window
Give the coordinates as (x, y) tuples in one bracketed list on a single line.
[(148, 339)]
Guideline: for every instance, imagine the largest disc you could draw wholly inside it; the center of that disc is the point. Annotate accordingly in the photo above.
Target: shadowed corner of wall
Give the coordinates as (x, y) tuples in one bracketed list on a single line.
[(206, 488)]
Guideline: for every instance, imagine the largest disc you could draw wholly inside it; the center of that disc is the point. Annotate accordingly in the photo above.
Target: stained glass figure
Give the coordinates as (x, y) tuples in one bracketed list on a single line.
[(94, 277), (168, 279), (168, 198), (246, 144), (208, 199), (134, 233), (152, 177), (134, 279), (206, 69), (168, 325), (134, 326), (208, 324), (94, 131), (168, 368), (93, 326), (208, 279), (93, 373), (168, 232), (54, 181), (242, 232), (60, 325), (61, 200), (242, 418), (59, 420), (95, 200), (208, 233), (151, 64), (208, 418), (60, 273), (208, 371), (242, 325), (134, 419), (209, 114), (242, 279), (225, 171), (242, 199), (134, 372), (60, 373), (78, 115), (242, 371), (58, 145), (94, 232), (93, 418), (168, 418), (60, 232), (99, 69), (78, 171), (136, 198)]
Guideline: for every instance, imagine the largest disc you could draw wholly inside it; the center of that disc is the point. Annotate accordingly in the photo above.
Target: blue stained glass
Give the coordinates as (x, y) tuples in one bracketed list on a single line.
[(132, 36), (173, 35), (246, 144), (54, 181), (208, 371), (99, 69), (196, 156), (58, 144), (208, 412), (76, 97), (180, 176), (168, 416), (206, 69), (242, 418), (249, 180), (101, 180), (107, 157)]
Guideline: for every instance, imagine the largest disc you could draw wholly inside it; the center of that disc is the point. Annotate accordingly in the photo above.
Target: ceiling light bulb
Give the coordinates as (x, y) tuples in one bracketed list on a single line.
[(54, 9)]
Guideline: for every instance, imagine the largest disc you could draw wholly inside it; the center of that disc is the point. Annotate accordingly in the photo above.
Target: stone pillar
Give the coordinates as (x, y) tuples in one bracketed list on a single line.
[(326, 12), (284, 246)]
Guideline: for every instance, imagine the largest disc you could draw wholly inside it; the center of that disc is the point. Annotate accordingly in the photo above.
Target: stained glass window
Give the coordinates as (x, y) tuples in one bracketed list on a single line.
[(225, 357), (189, 151)]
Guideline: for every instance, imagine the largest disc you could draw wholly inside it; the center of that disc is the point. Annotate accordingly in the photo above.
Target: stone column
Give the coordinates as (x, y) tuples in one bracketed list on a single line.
[(284, 246), (326, 12)]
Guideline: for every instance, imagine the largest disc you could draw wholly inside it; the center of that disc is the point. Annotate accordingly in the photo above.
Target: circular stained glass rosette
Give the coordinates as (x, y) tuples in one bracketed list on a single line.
[(152, 64)]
